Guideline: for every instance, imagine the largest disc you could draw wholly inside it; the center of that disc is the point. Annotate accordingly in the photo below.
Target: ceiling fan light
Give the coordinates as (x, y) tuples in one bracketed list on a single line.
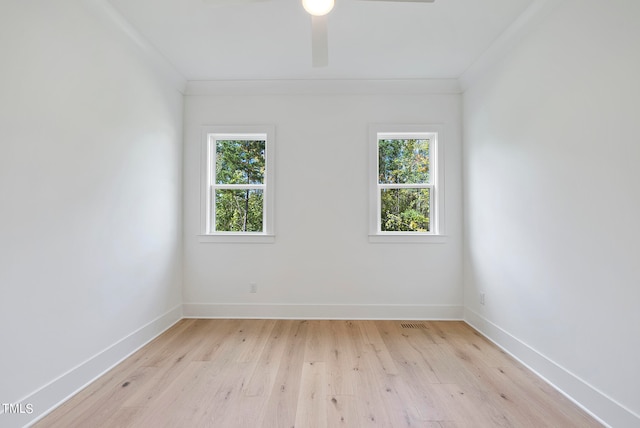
[(318, 7)]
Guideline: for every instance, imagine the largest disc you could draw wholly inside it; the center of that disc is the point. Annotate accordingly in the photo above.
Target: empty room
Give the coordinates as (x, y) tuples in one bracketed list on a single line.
[(279, 213)]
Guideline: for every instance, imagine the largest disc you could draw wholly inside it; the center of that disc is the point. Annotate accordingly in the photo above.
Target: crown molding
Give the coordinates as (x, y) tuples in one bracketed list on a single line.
[(528, 20), (154, 58), (323, 87)]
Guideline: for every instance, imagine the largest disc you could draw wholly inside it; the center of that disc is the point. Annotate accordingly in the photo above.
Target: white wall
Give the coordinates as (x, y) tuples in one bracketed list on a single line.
[(322, 264), (551, 153), (90, 199)]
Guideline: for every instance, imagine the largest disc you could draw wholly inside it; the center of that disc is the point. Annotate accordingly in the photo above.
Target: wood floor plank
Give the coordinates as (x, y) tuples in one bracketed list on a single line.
[(254, 339), (539, 398), (311, 409), (297, 373), (341, 360), (404, 348), (266, 369), (281, 405), (341, 411), (372, 337), (317, 343), (216, 341), (182, 393), (370, 402)]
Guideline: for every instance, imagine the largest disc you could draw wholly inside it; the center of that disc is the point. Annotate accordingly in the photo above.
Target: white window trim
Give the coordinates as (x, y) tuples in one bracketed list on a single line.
[(206, 169), (435, 133)]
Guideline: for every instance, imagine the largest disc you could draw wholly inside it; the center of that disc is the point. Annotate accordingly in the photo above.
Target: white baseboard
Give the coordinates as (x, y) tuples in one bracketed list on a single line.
[(322, 311), (50, 396), (599, 405)]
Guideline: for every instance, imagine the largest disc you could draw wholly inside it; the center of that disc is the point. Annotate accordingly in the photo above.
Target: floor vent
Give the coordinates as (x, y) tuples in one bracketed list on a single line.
[(410, 325)]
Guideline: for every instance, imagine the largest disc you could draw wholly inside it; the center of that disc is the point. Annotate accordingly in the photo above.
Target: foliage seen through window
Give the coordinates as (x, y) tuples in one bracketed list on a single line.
[(240, 164), (402, 163)]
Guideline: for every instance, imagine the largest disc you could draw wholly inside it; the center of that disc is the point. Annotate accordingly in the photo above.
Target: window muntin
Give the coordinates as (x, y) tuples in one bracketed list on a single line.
[(238, 186), (404, 192)]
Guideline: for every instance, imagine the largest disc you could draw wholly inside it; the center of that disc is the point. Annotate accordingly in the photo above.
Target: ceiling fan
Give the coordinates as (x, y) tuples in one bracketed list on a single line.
[(318, 9)]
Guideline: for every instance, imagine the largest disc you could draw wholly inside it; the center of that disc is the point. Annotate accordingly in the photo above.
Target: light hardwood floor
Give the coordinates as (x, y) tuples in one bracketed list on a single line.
[(291, 373)]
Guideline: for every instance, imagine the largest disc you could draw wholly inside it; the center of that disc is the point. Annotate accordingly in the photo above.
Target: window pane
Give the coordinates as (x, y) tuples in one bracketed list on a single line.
[(403, 161), (239, 210), (405, 210), (240, 161)]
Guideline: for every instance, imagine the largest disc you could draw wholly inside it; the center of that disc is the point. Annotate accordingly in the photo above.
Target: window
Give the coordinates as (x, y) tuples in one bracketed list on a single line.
[(405, 185), (237, 184)]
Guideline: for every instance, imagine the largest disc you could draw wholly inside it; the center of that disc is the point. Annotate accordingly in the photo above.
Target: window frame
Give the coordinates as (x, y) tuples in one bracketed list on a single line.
[(436, 211), (211, 134)]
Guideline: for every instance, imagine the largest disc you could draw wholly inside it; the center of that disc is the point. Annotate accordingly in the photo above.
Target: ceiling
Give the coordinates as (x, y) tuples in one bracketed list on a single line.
[(367, 40)]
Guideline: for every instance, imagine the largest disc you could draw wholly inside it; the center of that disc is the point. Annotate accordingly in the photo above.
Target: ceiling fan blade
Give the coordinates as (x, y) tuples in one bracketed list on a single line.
[(319, 41)]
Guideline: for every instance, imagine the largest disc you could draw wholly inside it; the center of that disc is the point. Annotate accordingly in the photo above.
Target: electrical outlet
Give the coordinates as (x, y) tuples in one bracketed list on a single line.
[(482, 298), (253, 287)]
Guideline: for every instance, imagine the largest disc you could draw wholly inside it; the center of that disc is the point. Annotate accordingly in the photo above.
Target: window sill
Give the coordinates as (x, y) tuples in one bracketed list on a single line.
[(237, 238), (393, 238)]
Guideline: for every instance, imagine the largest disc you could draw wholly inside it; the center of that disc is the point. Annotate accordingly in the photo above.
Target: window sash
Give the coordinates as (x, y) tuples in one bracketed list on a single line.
[(211, 147), (212, 208), (430, 136), (212, 204), (432, 198), (433, 133)]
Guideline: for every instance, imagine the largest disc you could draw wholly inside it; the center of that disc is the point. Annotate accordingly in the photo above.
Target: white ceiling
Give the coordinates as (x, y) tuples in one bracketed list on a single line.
[(367, 40)]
